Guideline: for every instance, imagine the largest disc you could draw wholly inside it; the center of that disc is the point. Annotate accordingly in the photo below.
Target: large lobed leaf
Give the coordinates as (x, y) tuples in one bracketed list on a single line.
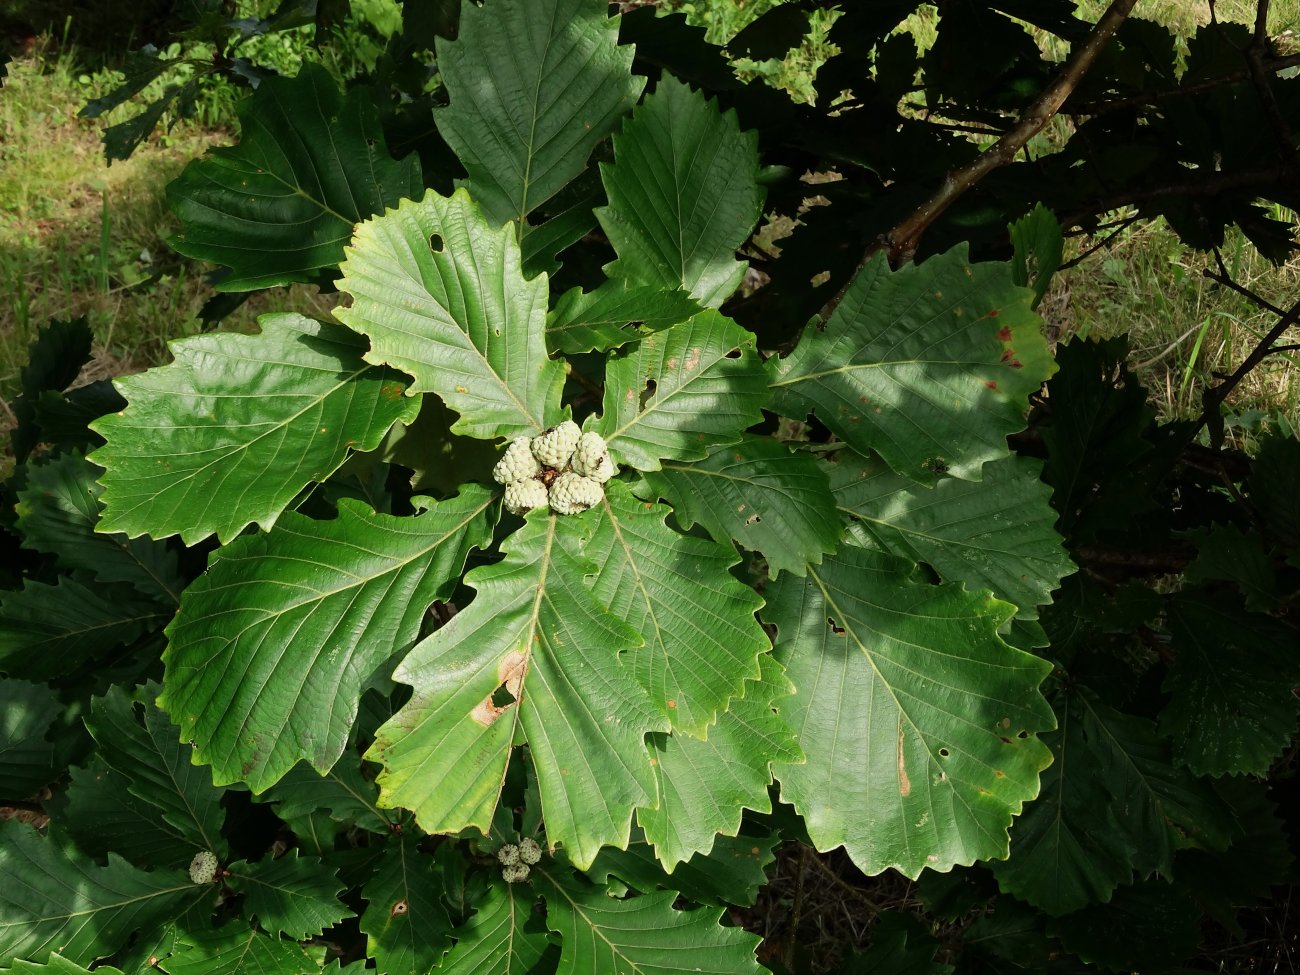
[(606, 318), (534, 657), (405, 923), (138, 743), (677, 392), (917, 721), (293, 895), (28, 712), (705, 785), (232, 430), (701, 638), (272, 647), (1113, 806), (503, 937), (1232, 703), (50, 630), (996, 533), (759, 493), (683, 194), (279, 206), (534, 85), (51, 899), (237, 949), (57, 512), (599, 933), (440, 292), (930, 366)]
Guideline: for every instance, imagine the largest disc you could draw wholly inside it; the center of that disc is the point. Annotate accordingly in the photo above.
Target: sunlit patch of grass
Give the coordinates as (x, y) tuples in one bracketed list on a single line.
[(79, 237)]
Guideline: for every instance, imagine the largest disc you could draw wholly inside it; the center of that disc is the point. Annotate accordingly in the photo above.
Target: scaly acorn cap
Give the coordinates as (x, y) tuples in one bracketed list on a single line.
[(517, 464), (554, 447), (523, 496), (572, 493), (591, 458)]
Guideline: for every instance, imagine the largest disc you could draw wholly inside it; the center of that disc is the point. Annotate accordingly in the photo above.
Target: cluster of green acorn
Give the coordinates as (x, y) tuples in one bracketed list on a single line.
[(563, 469), (517, 858)]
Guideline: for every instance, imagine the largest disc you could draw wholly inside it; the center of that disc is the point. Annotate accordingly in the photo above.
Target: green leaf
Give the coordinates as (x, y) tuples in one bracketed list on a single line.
[(917, 721), (704, 786), (701, 638), (731, 873), (930, 366), (279, 206), (639, 934), (292, 895), (406, 926), (57, 965), (342, 793), (49, 901), (677, 392), (1149, 927), (533, 657), (441, 294), (237, 949), (1275, 486), (47, 631), (1112, 806), (502, 938), (57, 512), (137, 741), (996, 533), (1232, 708), (232, 430), (303, 615), (1228, 553), (683, 194), (534, 85), (27, 714), (53, 360), (1039, 247), (760, 494), (103, 816), (604, 319)]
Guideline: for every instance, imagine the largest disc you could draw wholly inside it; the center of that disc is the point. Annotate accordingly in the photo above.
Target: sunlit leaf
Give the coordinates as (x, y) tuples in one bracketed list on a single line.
[(231, 431)]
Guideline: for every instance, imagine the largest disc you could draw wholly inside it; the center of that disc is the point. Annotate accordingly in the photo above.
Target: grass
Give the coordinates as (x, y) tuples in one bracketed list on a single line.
[(78, 237)]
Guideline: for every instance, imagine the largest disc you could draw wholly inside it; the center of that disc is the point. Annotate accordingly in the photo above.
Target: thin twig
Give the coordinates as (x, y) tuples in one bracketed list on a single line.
[(901, 241), (1119, 226), (1094, 109), (1225, 279), (1213, 397)]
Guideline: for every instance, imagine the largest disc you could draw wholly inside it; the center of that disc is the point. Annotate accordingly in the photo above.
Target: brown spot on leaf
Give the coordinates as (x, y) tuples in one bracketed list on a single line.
[(990, 384), (672, 703), (904, 783), (999, 774), (692, 360), (400, 908), (1004, 334), (835, 627), (994, 312)]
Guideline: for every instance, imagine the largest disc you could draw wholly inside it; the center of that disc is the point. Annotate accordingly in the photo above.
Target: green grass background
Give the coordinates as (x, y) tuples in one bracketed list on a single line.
[(78, 237)]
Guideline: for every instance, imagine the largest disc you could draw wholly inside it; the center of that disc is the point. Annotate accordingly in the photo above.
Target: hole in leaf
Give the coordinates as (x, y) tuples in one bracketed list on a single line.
[(1023, 735), (648, 393), (944, 753), (835, 627), (400, 908), (733, 354), (435, 243)]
